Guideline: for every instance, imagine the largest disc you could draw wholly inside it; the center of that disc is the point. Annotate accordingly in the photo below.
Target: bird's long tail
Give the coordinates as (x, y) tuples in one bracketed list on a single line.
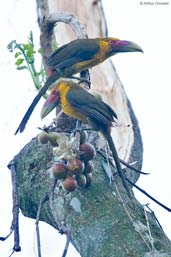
[(117, 162), (50, 80)]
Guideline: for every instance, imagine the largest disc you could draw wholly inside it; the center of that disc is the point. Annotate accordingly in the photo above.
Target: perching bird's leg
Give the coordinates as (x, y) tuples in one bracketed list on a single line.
[(82, 80)]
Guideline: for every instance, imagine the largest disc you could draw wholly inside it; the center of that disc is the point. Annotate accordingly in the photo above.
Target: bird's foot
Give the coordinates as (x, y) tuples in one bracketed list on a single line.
[(83, 80)]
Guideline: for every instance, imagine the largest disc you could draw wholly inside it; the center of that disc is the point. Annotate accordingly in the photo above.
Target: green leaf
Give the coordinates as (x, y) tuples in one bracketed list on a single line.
[(27, 46), (19, 61), (30, 38), (22, 68), (25, 59), (17, 54), (107, 170), (30, 52)]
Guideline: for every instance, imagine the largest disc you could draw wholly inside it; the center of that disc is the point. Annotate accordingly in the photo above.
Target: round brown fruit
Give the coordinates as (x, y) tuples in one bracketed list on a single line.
[(43, 137), (59, 171), (88, 152), (89, 166), (81, 180), (70, 184), (75, 166), (53, 137), (83, 136), (89, 179)]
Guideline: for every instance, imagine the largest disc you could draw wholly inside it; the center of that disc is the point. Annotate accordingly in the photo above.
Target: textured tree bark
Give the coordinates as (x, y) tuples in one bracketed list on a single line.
[(102, 220)]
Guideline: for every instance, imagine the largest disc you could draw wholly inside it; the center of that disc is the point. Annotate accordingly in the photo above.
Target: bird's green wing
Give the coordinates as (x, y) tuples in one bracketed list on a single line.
[(72, 53), (95, 109)]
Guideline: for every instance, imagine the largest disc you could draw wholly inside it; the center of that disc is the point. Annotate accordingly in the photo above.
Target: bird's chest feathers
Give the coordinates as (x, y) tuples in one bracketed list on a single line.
[(63, 100), (67, 107), (103, 54)]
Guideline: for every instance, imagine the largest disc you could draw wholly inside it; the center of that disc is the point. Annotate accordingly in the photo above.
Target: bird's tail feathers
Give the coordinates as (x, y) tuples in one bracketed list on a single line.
[(117, 162), (49, 81)]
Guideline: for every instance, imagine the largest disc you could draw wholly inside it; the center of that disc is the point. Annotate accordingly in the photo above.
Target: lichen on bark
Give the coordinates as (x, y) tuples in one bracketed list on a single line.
[(101, 218)]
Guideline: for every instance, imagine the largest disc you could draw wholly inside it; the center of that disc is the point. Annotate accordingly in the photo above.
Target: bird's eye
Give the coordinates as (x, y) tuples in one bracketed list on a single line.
[(110, 42)]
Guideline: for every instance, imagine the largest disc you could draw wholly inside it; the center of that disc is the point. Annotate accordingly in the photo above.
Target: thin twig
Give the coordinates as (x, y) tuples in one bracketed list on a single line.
[(15, 210), (68, 236), (4, 238), (153, 214), (12, 253), (67, 232), (149, 196), (149, 230), (132, 168), (124, 163), (140, 189), (42, 202)]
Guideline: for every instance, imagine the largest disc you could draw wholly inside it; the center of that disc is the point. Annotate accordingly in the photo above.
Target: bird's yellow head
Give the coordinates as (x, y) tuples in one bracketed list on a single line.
[(57, 92), (120, 46)]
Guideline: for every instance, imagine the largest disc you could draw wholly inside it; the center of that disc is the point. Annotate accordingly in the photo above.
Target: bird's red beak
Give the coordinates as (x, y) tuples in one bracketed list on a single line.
[(121, 46), (51, 102)]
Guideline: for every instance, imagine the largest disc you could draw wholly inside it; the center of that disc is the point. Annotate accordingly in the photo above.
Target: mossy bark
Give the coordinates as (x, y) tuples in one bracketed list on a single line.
[(102, 220)]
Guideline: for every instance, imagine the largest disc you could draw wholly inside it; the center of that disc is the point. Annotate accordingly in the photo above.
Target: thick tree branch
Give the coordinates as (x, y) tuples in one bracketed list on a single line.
[(47, 26)]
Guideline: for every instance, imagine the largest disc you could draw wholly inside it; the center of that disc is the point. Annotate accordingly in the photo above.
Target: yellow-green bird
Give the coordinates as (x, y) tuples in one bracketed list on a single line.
[(76, 102), (77, 56)]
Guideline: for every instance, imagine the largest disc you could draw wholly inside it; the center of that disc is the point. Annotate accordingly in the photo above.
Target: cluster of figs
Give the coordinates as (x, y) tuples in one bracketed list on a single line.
[(76, 171)]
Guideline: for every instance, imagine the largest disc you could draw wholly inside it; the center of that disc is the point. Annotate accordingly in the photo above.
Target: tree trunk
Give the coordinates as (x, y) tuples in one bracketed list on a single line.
[(102, 220)]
